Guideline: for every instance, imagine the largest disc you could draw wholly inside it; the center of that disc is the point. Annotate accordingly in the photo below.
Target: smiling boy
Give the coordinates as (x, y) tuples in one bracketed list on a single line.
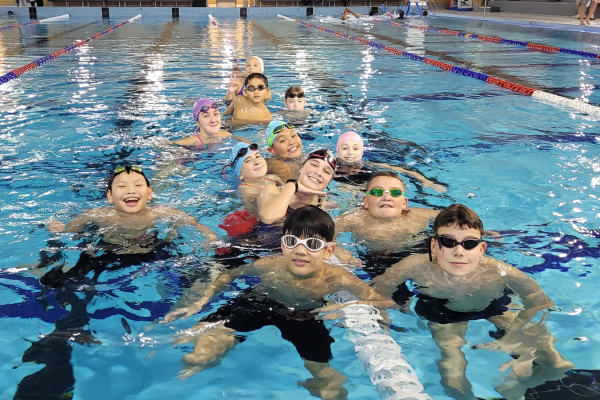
[(126, 223), (286, 146), (250, 107), (455, 283), (291, 291), (385, 222)]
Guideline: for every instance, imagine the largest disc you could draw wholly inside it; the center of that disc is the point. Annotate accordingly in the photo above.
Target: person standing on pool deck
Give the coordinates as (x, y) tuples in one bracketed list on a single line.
[(251, 107), (286, 146), (582, 6), (208, 121), (350, 149), (290, 294), (254, 64), (455, 283)]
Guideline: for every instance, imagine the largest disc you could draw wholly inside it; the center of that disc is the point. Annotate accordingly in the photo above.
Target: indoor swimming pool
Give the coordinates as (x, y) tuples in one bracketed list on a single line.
[(530, 169)]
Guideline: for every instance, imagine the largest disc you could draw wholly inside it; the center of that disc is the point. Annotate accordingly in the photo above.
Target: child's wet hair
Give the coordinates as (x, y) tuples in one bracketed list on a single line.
[(293, 90), (256, 75), (458, 215), (388, 174), (309, 221), (127, 169)]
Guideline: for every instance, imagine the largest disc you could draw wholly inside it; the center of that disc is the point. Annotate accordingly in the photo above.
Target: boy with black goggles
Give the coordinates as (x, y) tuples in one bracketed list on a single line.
[(301, 275), (294, 99), (456, 284), (250, 106)]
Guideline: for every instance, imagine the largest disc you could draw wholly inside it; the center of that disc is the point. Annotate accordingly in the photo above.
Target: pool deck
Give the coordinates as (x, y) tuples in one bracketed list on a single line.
[(522, 19), (194, 13)]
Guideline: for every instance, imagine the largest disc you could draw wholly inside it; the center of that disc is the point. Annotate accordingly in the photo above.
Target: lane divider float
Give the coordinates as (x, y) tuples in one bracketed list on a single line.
[(530, 46), (39, 21), (553, 99), (19, 71)]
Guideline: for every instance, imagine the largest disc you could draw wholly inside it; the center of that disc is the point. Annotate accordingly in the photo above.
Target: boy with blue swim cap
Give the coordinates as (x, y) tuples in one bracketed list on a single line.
[(286, 147), (251, 168)]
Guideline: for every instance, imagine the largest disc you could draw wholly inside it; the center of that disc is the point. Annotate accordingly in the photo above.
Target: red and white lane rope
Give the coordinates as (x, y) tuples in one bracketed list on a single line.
[(39, 21), (19, 71), (553, 99)]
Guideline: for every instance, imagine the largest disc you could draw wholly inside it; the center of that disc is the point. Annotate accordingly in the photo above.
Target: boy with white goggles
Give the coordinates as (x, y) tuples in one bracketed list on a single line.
[(289, 296)]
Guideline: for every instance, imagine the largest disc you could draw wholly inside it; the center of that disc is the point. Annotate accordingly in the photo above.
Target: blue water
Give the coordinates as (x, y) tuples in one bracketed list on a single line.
[(530, 170)]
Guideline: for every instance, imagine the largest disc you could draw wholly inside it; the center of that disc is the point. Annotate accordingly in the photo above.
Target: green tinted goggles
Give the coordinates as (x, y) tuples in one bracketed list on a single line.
[(136, 168), (380, 192)]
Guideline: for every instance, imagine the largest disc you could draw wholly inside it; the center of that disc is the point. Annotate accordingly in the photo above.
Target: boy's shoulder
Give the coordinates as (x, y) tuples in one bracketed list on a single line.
[(422, 212)]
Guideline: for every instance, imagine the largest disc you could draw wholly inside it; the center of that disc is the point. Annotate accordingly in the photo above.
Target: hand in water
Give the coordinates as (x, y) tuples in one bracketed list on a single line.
[(233, 84), (56, 226), (184, 312)]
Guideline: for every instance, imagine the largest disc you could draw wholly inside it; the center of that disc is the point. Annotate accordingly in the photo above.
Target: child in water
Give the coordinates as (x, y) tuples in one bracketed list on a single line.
[(316, 171), (385, 222), (286, 146), (251, 107), (455, 283), (208, 121), (292, 288), (254, 64), (251, 168), (351, 169), (125, 226), (294, 99)]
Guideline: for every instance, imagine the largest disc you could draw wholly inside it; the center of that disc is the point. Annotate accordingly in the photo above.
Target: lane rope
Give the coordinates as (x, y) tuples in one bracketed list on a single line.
[(14, 74), (39, 21), (528, 45), (553, 99)]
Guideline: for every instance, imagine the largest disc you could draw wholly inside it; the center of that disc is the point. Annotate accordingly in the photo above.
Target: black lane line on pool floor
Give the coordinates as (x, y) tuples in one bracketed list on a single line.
[(442, 56), (42, 41)]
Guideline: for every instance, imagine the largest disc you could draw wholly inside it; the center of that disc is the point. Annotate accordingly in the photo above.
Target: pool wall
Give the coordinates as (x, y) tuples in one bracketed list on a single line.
[(185, 13)]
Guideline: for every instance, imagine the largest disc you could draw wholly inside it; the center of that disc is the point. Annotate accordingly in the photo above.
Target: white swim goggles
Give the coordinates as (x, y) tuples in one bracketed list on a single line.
[(312, 244)]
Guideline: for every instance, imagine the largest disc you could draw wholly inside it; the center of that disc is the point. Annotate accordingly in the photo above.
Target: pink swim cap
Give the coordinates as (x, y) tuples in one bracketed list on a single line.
[(350, 135), (207, 104)]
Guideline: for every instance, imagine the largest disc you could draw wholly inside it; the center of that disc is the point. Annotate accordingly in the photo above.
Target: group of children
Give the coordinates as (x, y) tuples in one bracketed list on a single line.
[(453, 282)]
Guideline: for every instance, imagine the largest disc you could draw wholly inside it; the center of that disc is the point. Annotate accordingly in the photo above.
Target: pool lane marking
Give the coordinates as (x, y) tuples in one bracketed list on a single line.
[(449, 58), (39, 21), (19, 71), (553, 99), (481, 38), (39, 42)]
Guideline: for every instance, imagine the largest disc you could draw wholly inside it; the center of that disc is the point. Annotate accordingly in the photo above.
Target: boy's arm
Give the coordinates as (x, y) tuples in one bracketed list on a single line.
[(187, 219), (219, 285), (76, 225), (531, 294), (231, 108), (395, 275), (365, 293), (424, 181)]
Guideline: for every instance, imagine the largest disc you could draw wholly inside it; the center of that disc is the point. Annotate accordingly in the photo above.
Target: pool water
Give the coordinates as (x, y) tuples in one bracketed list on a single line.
[(529, 169)]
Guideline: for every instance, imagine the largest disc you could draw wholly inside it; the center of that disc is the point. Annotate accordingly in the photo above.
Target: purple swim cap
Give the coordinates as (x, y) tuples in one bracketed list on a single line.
[(207, 104)]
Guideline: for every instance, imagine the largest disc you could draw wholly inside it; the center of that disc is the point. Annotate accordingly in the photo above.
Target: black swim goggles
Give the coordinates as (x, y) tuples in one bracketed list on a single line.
[(242, 152), (208, 107), (322, 154), (292, 95), (467, 244), (259, 87), (312, 244)]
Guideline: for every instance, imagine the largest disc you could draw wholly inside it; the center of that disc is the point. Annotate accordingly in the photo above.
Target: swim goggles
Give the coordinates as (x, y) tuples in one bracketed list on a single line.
[(312, 244), (292, 95), (322, 154), (467, 244), (242, 152), (259, 87), (128, 168), (380, 192), (208, 107), (277, 130)]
